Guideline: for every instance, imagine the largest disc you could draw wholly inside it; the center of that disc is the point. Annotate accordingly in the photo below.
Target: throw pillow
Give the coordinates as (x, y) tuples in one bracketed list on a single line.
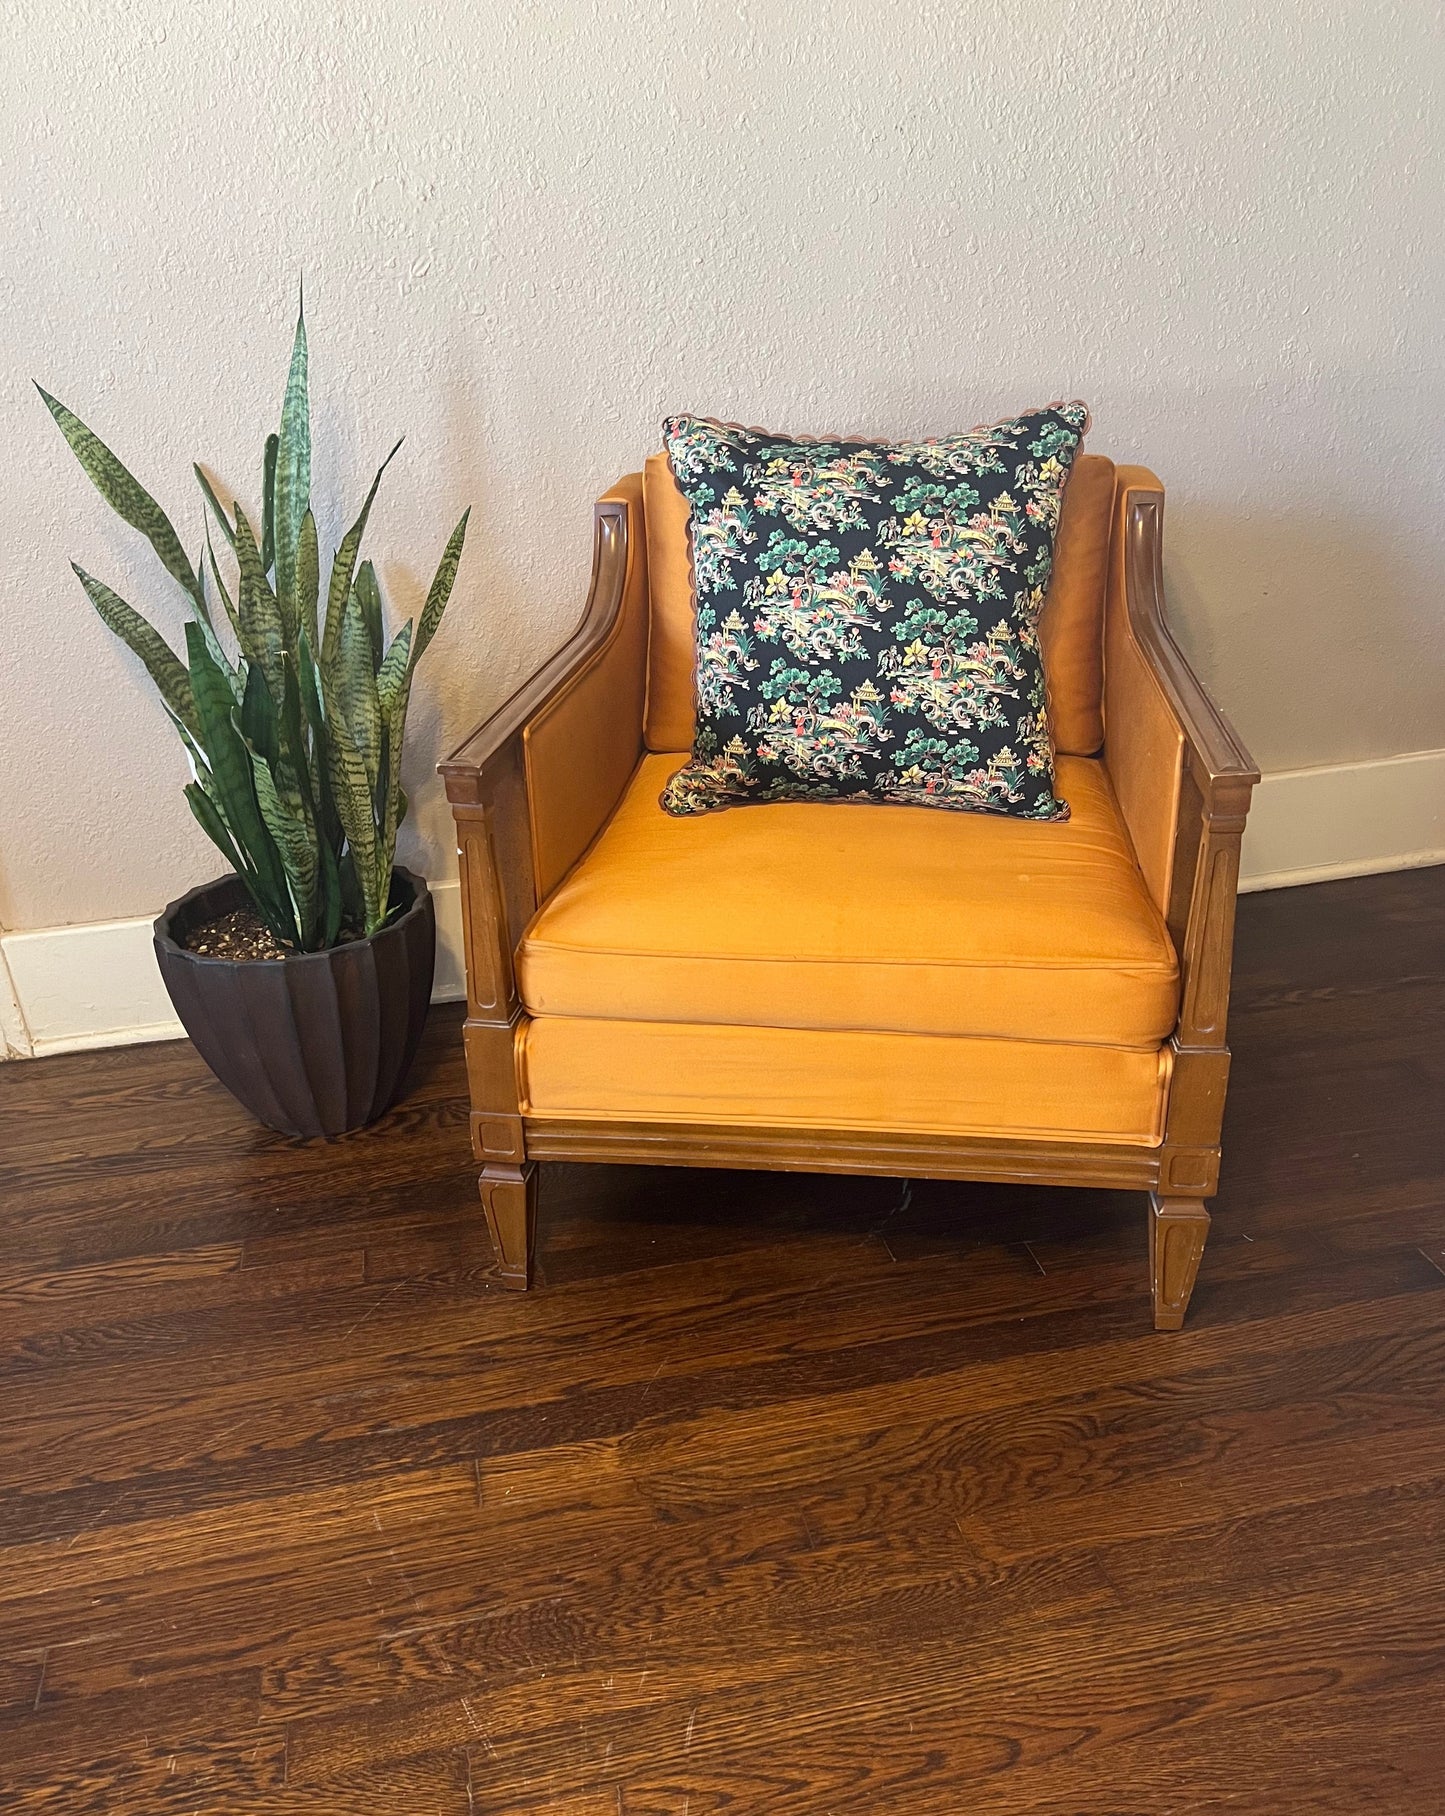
[(867, 615)]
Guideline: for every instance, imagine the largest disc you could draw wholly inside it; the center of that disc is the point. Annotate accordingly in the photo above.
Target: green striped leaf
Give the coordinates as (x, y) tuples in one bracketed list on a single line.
[(308, 580), (344, 566), (260, 724), (200, 605), (353, 688), (214, 827), (296, 773), (353, 907), (268, 503), (286, 822), (393, 670), (261, 627), (393, 805), (162, 664), (351, 789), (216, 511), (293, 473), (369, 594), (330, 902), (218, 656), (309, 676), (125, 495), (226, 599), (295, 749), (233, 790), (441, 589)]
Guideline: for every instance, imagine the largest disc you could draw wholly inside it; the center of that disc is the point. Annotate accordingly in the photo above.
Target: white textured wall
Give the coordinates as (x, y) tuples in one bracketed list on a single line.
[(529, 230)]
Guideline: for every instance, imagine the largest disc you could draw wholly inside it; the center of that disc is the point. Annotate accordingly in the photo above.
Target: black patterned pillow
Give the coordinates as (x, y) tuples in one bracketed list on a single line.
[(867, 615)]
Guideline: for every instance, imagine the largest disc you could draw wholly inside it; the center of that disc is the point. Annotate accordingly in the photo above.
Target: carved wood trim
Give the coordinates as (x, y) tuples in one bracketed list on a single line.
[(491, 985), (509, 1202), (497, 1137), (1189, 1172), (802, 1150), (1178, 1230)]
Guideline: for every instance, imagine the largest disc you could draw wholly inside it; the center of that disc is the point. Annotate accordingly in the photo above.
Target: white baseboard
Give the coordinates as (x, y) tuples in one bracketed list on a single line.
[(98, 985), (66, 988), (1350, 819), (14, 1035)]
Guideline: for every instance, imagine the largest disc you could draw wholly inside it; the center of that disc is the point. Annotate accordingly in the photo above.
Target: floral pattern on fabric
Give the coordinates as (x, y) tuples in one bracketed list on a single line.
[(867, 615)]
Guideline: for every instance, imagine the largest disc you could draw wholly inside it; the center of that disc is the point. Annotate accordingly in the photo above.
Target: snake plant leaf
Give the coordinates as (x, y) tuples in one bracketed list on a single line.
[(394, 669), (314, 714), (341, 897), (308, 578), (219, 739), (295, 751), (293, 472), (214, 827), (233, 789), (260, 725), (353, 685), (441, 589), (218, 656), (351, 789), (287, 825), (344, 566), (125, 495), (200, 605), (226, 599), (216, 508), (308, 670), (393, 800), (162, 664), (330, 899), (353, 907), (295, 775), (268, 503), (352, 785), (369, 594), (262, 627), (308, 675)]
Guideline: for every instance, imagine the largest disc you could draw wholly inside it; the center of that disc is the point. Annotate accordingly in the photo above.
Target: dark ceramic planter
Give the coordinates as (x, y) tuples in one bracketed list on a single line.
[(315, 1044)]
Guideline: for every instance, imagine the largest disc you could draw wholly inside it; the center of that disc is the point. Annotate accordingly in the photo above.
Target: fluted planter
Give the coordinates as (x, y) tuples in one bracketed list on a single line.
[(316, 1043)]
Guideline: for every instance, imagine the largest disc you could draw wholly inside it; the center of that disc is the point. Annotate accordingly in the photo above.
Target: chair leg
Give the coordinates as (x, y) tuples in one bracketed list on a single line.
[(1178, 1228), (509, 1197)]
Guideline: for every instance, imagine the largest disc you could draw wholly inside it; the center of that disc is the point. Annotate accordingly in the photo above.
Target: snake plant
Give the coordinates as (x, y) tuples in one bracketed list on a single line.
[(295, 736)]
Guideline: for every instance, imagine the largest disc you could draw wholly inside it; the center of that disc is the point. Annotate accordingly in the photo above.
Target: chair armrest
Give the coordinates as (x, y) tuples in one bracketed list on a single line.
[(1216, 752), (1182, 775), (570, 737)]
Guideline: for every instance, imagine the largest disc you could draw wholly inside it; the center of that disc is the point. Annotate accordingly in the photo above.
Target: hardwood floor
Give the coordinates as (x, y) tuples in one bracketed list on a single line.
[(783, 1495)]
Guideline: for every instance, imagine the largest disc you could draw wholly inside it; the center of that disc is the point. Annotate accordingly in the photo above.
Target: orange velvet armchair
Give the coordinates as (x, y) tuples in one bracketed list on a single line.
[(855, 989)]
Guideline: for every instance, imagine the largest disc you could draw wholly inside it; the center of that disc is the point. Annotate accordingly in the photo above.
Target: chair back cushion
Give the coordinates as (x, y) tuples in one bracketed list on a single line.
[(1070, 627)]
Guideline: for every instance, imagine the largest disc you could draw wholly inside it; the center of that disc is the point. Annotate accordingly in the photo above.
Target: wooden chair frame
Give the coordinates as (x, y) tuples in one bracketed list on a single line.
[(486, 782)]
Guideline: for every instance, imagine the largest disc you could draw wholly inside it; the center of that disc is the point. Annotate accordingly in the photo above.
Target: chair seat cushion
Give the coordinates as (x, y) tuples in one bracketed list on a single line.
[(892, 919)]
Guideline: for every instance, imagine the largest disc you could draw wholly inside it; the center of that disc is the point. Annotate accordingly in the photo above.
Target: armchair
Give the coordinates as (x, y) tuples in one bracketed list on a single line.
[(886, 990)]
